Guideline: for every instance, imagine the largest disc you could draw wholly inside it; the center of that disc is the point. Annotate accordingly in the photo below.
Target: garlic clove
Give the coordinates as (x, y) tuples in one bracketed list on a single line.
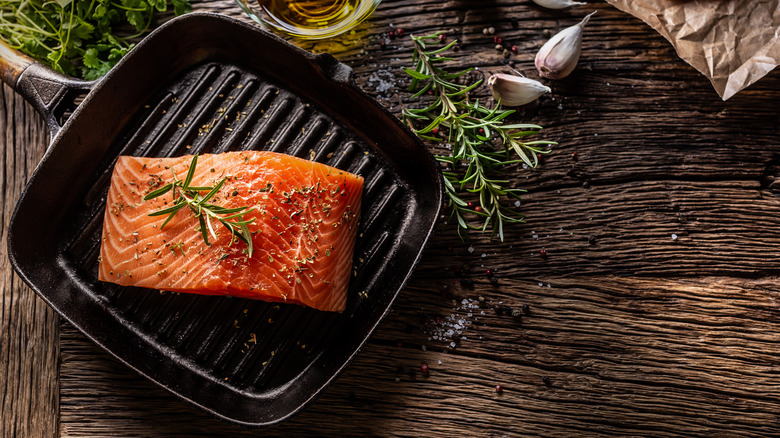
[(557, 4), (559, 56), (515, 90)]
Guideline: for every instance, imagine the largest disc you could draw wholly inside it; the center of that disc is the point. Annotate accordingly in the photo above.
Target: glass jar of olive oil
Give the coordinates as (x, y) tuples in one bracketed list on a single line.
[(309, 19)]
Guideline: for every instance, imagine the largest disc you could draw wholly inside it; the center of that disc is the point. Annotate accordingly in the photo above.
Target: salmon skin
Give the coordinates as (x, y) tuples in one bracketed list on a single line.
[(303, 234)]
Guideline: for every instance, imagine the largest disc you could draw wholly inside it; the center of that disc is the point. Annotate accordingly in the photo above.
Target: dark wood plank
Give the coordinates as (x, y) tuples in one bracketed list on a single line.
[(29, 343), (630, 331), (607, 355)]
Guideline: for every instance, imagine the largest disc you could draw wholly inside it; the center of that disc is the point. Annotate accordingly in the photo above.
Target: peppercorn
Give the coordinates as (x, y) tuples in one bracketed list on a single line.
[(481, 300), (494, 280), (478, 209), (443, 37), (489, 272), (497, 40), (498, 309), (517, 315), (586, 185), (575, 156), (391, 34), (592, 240), (526, 309), (499, 47), (546, 380), (399, 31), (499, 389), (543, 253), (424, 368), (506, 54), (513, 48), (383, 45), (435, 130)]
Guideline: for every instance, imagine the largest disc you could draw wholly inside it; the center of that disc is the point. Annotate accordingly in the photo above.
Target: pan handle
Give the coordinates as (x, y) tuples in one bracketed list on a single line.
[(49, 92)]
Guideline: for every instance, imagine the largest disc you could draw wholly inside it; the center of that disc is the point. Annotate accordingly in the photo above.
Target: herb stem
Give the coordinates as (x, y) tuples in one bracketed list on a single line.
[(483, 144), (187, 195)]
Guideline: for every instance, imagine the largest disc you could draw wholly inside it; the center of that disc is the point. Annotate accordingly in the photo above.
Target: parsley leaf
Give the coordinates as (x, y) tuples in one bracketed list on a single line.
[(77, 37)]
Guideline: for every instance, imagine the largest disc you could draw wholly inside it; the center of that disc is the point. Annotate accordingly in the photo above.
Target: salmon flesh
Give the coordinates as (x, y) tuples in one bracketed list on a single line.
[(303, 233)]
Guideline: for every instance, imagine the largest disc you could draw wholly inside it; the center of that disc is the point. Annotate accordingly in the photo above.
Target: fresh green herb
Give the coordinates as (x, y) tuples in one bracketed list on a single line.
[(79, 37), (187, 195), (483, 141)]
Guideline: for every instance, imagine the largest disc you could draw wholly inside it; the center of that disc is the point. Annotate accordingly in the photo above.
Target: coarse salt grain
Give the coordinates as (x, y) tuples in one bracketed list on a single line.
[(674, 237), (471, 249)]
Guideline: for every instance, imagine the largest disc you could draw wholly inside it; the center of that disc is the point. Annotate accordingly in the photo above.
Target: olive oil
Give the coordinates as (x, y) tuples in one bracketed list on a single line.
[(316, 18)]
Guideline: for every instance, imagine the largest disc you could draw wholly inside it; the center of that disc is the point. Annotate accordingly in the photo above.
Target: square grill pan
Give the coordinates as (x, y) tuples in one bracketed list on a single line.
[(205, 83)]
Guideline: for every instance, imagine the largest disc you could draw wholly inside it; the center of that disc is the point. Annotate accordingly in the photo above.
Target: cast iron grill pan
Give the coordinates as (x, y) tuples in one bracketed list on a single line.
[(227, 86)]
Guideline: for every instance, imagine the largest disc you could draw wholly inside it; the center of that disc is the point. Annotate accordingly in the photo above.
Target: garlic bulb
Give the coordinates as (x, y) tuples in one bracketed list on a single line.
[(515, 90), (558, 56), (557, 4)]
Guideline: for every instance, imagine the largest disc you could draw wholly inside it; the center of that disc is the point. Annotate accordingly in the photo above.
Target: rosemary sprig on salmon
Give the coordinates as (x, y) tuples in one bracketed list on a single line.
[(187, 195)]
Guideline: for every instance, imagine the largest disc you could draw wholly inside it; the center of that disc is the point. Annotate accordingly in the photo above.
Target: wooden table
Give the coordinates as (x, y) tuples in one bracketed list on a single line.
[(656, 311)]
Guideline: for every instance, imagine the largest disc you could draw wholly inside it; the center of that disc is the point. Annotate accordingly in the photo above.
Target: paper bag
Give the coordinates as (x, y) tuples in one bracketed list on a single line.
[(733, 43)]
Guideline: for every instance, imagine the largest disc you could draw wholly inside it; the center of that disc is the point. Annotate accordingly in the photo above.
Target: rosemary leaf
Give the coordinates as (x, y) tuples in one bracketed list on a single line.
[(185, 195), (159, 192), (483, 144)]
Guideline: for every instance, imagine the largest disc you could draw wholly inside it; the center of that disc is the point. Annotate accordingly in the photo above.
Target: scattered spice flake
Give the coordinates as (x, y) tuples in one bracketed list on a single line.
[(451, 328)]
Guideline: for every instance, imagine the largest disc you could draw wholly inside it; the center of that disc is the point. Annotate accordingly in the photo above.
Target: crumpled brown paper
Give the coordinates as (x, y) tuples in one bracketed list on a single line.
[(733, 43)]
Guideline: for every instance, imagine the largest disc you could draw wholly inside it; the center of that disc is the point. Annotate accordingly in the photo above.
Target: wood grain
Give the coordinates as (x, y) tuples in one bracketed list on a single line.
[(655, 312), (612, 356), (29, 343)]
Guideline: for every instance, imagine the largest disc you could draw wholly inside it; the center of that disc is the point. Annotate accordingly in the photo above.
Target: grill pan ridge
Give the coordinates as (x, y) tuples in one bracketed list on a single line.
[(250, 362)]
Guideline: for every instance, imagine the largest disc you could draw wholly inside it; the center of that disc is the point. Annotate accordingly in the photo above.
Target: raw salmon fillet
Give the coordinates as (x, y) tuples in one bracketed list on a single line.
[(306, 217)]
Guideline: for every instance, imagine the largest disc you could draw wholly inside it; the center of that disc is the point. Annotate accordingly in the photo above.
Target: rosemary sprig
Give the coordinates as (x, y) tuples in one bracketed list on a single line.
[(483, 142), (187, 195)]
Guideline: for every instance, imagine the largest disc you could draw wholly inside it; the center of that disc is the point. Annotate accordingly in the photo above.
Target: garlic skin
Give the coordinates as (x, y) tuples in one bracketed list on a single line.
[(515, 90), (557, 4), (559, 56)]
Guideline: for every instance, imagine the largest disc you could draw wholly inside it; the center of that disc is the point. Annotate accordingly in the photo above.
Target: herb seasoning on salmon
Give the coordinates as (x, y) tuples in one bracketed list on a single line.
[(300, 218)]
